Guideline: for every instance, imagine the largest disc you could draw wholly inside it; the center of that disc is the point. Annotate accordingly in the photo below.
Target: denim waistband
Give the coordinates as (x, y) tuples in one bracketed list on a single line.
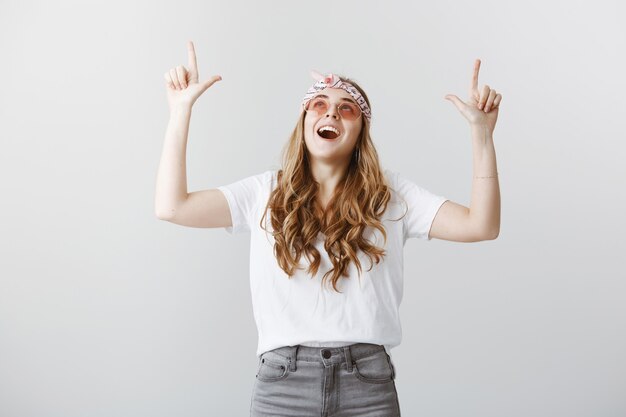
[(327, 355)]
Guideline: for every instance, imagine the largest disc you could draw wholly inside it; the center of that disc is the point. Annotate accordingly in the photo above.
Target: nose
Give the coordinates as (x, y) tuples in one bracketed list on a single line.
[(332, 111)]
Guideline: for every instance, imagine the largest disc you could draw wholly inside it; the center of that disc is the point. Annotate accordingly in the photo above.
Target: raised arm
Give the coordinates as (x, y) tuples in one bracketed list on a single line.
[(480, 221), (206, 208)]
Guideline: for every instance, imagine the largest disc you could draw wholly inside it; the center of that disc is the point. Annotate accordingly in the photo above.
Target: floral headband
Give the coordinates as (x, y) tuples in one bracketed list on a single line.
[(332, 81)]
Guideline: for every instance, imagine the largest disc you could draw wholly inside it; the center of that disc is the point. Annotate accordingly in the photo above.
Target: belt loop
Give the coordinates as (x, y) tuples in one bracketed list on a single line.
[(393, 370), (346, 351), (293, 355)]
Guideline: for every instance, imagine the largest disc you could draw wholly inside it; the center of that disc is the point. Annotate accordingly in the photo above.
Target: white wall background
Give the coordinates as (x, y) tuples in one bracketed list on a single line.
[(107, 311)]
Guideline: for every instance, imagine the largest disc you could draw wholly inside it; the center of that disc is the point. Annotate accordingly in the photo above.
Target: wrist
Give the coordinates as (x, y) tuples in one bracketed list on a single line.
[(181, 109), (481, 134), (480, 126)]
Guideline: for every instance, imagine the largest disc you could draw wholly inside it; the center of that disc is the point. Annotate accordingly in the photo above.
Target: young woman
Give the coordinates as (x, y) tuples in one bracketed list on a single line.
[(327, 235)]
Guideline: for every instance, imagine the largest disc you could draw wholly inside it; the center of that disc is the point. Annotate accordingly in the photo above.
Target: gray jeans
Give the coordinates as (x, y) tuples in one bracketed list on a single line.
[(355, 380)]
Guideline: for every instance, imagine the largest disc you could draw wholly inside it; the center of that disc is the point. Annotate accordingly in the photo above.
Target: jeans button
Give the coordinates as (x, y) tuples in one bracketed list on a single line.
[(326, 353)]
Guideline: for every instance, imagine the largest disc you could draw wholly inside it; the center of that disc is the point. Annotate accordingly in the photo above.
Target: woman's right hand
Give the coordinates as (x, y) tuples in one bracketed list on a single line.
[(182, 86)]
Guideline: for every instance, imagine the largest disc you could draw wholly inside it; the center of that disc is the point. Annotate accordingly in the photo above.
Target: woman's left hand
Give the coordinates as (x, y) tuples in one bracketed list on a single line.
[(482, 106)]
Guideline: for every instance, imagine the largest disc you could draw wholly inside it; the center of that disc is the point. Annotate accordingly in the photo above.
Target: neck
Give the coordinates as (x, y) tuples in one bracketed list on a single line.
[(328, 175)]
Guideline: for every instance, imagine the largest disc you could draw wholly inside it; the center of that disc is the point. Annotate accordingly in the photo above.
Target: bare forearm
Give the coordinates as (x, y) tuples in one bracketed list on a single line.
[(485, 203), (171, 187)]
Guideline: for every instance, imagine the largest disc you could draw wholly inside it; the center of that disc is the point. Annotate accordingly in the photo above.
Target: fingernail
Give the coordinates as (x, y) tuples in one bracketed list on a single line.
[(487, 108)]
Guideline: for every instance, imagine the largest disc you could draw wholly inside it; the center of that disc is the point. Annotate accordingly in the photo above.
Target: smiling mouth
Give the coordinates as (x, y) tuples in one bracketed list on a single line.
[(327, 134)]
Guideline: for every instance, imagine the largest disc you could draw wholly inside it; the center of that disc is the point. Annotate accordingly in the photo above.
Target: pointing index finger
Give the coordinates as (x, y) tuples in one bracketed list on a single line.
[(474, 85), (191, 52)]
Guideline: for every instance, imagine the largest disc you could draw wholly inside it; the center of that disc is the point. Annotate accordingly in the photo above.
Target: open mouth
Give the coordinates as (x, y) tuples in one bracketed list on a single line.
[(328, 132)]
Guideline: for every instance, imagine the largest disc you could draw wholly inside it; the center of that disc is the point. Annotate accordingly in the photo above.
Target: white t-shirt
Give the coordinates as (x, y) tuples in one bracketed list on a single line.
[(299, 310)]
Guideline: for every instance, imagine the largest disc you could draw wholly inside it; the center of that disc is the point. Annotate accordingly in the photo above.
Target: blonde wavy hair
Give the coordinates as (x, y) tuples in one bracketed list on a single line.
[(358, 201)]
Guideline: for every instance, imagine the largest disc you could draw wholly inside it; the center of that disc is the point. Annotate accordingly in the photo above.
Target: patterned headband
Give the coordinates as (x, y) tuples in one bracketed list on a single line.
[(332, 81)]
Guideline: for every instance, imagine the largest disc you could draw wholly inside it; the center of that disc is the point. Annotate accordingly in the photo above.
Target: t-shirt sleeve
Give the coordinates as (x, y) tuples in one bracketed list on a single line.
[(423, 206), (243, 199)]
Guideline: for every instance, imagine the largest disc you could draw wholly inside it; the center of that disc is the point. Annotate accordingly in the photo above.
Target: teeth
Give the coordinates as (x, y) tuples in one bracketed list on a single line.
[(332, 129)]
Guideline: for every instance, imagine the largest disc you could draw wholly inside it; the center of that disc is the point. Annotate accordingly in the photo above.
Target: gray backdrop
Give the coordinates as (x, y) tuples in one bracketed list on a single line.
[(107, 311)]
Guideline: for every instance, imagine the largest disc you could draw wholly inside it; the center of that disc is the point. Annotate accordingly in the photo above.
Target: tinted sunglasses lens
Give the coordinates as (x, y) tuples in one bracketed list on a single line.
[(349, 111), (317, 105)]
